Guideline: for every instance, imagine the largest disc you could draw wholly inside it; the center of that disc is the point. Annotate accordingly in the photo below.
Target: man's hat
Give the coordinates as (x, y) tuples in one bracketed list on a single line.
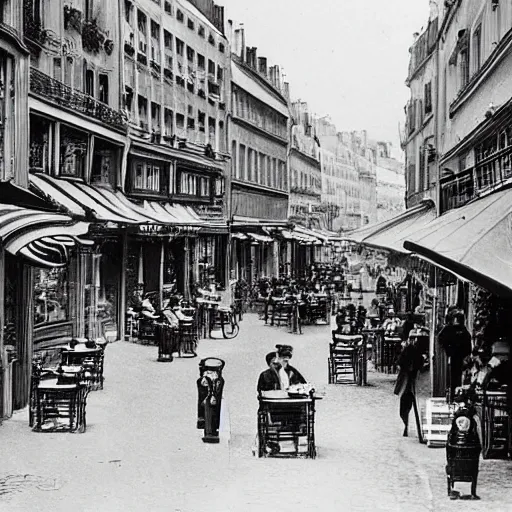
[(284, 350)]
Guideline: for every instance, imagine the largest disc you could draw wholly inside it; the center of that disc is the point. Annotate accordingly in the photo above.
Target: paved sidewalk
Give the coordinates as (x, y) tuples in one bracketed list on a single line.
[(142, 452)]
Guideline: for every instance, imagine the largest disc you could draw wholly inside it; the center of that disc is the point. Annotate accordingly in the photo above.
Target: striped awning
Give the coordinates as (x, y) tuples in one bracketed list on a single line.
[(106, 205), (44, 238)]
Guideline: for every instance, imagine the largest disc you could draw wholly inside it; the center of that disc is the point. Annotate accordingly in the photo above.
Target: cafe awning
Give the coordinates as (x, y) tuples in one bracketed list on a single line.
[(44, 238), (391, 234), (474, 241), (106, 205)]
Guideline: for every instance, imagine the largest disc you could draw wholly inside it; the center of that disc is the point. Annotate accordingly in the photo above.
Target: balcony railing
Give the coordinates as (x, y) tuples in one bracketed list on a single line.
[(489, 175), (49, 88)]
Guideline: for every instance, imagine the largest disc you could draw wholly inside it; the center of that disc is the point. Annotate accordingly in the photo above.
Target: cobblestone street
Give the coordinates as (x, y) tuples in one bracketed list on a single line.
[(142, 452)]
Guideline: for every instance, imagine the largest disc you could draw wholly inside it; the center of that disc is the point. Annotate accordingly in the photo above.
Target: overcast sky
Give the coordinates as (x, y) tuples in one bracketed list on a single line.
[(346, 58)]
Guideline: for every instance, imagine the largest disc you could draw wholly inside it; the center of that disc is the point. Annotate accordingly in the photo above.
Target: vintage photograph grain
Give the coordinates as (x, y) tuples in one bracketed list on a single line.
[(255, 256)]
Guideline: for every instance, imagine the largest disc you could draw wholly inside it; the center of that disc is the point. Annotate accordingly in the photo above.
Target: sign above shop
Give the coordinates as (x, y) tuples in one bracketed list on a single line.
[(166, 230)]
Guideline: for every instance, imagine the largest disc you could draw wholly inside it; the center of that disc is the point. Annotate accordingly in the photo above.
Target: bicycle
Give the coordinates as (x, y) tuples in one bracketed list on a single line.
[(225, 320)]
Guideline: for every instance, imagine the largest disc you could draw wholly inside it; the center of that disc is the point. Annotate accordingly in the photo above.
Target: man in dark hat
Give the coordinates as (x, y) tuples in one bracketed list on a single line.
[(269, 379), (288, 375)]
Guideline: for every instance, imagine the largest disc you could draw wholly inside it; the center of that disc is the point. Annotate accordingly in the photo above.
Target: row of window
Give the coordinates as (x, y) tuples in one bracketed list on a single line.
[(73, 148), (195, 126), (79, 74), (150, 33), (258, 113), (305, 180), (249, 165), (157, 178)]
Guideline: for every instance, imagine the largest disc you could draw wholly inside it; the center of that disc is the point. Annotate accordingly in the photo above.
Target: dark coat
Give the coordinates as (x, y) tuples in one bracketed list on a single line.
[(456, 342), (269, 379), (410, 362)]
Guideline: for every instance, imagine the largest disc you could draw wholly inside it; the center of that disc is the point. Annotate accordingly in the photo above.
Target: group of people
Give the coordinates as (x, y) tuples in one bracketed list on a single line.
[(280, 374)]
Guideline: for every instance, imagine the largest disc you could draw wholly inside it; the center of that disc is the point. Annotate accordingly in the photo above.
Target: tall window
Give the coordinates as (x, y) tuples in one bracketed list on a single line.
[(464, 68), (146, 176), (188, 184), (155, 116), (89, 82), (155, 42), (428, 98), (143, 112), (477, 48), (233, 160), (168, 122), (241, 162), (250, 155), (89, 10), (142, 26), (73, 151), (103, 88), (204, 189)]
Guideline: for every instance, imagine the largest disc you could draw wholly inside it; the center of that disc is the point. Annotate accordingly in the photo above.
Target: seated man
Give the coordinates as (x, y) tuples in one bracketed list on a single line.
[(269, 379)]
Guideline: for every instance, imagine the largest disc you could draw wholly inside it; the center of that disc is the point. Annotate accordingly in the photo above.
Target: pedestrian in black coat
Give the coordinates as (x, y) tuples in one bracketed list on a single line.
[(410, 362)]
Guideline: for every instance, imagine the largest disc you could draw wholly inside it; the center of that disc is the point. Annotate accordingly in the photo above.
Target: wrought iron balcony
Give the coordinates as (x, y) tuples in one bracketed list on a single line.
[(51, 89), (489, 175)]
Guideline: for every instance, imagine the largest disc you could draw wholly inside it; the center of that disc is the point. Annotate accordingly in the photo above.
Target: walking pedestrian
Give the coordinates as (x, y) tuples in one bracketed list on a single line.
[(410, 362)]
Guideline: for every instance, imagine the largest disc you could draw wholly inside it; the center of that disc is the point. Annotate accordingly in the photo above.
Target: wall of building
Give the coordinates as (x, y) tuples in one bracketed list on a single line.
[(491, 87)]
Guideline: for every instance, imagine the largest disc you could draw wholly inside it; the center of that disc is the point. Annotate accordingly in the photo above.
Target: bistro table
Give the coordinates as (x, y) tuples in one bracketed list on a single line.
[(91, 359), (55, 402), (286, 425)]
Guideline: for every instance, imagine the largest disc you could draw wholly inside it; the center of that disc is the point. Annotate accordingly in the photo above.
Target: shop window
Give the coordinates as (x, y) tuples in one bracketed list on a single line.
[(147, 177), (73, 152), (40, 154), (51, 296), (104, 163), (103, 88)]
